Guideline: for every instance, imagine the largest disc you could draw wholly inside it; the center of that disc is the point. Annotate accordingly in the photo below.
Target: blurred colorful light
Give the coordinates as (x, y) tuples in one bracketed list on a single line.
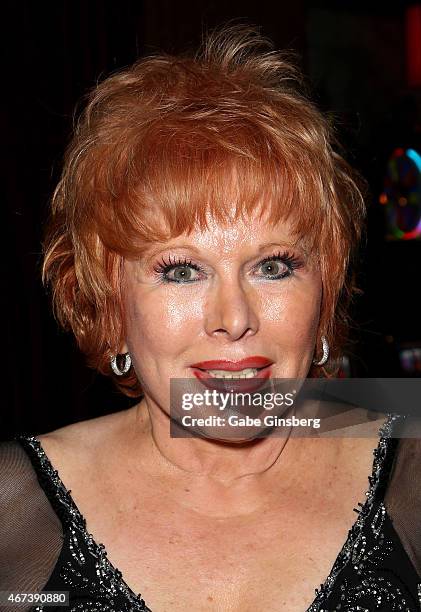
[(402, 194)]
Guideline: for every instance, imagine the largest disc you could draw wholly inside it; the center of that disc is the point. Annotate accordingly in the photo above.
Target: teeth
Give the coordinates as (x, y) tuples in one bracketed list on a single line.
[(247, 373)]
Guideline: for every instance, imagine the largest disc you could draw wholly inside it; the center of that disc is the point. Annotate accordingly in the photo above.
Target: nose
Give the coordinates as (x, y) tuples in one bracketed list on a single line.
[(231, 310)]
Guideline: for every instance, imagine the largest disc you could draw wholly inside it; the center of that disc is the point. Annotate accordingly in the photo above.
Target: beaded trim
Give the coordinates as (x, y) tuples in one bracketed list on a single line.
[(109, 577), (108, 573), (347, 552)]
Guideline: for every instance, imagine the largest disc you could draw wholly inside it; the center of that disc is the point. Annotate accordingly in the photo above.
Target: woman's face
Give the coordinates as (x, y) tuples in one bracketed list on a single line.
[(224, 293)]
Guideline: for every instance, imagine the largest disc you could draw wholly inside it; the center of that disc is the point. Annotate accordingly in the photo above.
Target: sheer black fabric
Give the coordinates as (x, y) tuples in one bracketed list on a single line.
[(403, 496), (31, 533), (45, 545)]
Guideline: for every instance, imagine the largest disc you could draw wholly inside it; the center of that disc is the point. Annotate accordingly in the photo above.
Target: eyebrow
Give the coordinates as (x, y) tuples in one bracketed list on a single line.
[(150, 253), (162, 247)]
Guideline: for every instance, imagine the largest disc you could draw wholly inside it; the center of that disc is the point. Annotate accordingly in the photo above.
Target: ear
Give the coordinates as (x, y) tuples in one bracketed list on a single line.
[(124, 349)]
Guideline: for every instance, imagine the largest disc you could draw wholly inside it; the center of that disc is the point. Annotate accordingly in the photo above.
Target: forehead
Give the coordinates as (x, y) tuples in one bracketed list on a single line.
[(253, 232), (237, 233)]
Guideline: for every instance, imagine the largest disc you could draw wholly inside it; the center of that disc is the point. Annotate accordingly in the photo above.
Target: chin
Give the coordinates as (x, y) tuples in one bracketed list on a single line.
[(232, 441)]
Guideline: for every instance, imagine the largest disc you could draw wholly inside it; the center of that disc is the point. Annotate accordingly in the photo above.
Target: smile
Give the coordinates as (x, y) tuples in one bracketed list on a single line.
[(246, 380), (246, 373)]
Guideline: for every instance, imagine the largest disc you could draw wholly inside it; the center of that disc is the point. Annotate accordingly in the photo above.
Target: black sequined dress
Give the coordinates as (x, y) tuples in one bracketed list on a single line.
[(45, 544)]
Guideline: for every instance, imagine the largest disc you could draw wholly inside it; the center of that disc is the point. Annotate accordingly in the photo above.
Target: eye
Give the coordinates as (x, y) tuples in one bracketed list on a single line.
[(279, 265), (183, 271), (178, 271)]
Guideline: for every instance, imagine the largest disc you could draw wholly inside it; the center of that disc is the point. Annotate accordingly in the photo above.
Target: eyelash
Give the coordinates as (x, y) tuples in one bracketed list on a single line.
[(163, 267)]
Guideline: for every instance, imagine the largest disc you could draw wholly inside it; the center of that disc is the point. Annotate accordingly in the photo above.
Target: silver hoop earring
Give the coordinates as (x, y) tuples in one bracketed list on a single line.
[(325, 356), (126, 365)]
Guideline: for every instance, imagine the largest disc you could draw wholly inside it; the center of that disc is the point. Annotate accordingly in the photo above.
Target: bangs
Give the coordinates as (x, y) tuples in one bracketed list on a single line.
[(173, 143), (181, 179)]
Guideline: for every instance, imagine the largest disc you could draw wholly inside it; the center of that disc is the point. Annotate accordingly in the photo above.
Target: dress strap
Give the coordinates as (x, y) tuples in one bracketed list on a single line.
[(385, 456), (59, 497), (86, 567)]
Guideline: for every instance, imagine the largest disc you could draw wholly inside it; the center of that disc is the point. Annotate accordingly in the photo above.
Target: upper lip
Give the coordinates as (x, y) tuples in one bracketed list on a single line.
[(256, 361)]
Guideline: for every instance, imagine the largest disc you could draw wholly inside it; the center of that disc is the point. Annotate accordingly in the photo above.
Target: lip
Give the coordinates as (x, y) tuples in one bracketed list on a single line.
[(256, 361)]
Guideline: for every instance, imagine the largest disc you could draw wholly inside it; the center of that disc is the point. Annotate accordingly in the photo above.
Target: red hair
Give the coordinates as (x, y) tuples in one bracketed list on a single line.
[(165, 136)]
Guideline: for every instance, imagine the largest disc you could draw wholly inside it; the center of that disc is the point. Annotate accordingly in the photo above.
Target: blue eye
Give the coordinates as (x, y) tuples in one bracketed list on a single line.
[(278, 266)]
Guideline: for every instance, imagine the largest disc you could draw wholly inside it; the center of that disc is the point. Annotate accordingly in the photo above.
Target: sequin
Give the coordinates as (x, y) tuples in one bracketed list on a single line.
[(87, 572), (359, 579), (357, 571)]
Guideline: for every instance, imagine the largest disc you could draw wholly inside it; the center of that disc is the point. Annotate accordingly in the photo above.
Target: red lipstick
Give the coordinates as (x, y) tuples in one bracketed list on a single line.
[(245, 385), (256, 361)]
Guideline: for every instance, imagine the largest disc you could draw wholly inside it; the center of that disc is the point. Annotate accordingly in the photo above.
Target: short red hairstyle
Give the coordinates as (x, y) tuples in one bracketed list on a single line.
[(160, 140)]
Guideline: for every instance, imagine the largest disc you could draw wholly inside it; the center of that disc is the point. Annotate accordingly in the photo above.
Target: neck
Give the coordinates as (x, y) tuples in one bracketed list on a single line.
[(224, 479)]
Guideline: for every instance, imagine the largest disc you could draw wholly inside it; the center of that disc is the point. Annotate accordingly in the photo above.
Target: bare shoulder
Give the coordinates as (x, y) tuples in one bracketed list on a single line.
[(82, 431), (72, 447)]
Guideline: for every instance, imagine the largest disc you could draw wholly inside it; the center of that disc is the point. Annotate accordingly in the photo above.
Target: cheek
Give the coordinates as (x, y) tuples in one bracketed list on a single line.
[(160, 320), (163, 321), (295, 313)]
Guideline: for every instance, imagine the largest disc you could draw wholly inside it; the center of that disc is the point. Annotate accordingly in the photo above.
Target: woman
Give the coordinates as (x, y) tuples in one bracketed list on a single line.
[(203, 215)]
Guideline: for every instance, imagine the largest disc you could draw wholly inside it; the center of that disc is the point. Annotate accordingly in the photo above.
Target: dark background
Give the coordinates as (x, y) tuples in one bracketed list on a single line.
[(354, 55)]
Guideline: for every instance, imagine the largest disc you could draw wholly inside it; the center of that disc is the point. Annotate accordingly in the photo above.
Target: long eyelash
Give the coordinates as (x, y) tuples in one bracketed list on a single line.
[(287, 258), (163, 267)]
